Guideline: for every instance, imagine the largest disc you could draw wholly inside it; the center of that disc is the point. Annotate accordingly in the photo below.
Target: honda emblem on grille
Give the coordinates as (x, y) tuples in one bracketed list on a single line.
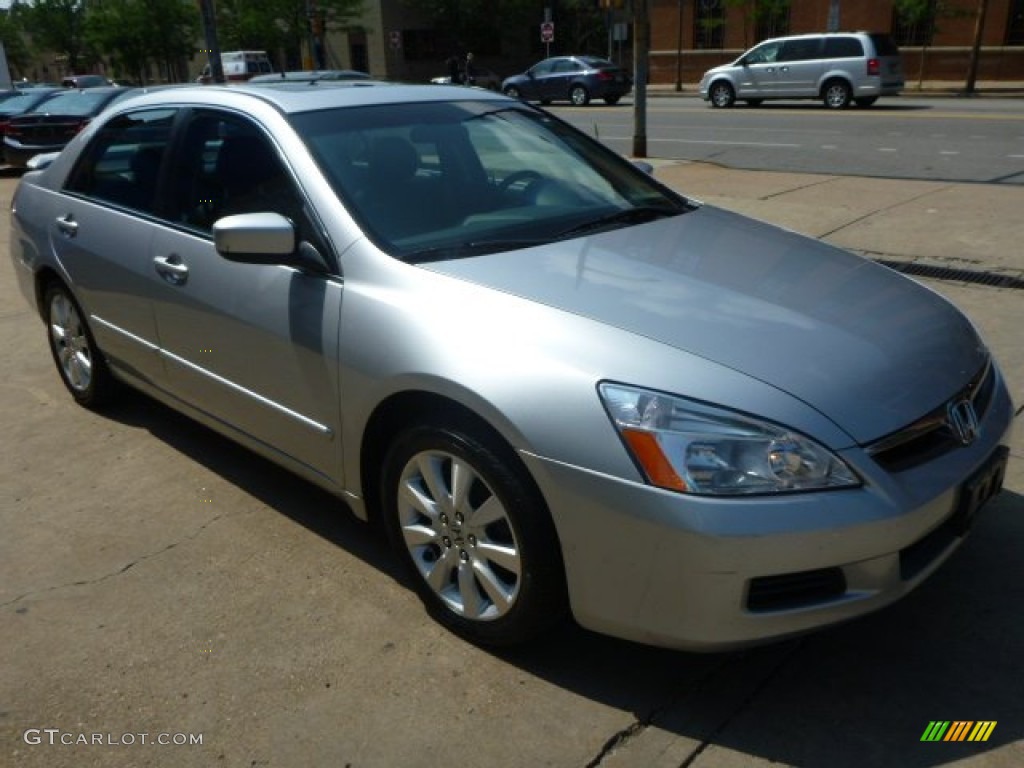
[(963, 421)]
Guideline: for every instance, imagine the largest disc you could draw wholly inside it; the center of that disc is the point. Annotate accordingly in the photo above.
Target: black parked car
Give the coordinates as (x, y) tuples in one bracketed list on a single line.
[(574, 78), (56, 121)]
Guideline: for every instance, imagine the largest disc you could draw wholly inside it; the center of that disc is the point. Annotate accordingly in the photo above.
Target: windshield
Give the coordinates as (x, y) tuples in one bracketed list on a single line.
[(448, 179)]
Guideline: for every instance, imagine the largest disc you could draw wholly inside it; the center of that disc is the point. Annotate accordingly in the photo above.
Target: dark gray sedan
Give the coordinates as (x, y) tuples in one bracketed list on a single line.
[(560, 387), (576, 79)]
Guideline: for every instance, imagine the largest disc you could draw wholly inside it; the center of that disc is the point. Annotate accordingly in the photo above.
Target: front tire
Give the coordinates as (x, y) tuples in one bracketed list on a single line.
[(722, 95), (512, 92), (579, 96), (474, 533), (79, 362)]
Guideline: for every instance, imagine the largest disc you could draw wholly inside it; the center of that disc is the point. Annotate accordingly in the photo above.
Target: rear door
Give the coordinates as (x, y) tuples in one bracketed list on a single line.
[(800, 67), (100, 231)]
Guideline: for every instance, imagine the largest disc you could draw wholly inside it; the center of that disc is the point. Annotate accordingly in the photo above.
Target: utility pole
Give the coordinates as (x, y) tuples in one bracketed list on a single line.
[(212, 46), (641, 54), (972, 65), (679, 49)]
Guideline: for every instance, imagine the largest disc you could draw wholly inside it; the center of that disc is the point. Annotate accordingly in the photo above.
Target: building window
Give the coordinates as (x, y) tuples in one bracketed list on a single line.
[(772, 18), (1015, 24), (708, 24), (914, 27)]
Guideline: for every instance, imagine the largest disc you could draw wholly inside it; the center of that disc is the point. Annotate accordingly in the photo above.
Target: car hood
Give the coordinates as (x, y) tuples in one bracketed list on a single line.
[(868, 348)]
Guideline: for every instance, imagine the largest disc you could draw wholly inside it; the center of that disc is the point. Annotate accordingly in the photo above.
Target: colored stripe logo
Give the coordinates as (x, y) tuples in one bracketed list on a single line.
[(958, 730)]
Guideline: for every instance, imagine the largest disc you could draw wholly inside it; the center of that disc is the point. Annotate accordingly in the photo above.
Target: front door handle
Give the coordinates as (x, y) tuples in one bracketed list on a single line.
[(171, 268), (67, 225)]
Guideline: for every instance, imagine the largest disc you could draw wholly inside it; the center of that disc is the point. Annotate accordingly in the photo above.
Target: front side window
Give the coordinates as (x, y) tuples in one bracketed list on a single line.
[(767, 53), (228, 166), (122, 164), (438, 180)]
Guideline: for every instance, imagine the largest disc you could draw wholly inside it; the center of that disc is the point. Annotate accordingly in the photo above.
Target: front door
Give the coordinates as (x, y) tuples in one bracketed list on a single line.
[(254, 346)]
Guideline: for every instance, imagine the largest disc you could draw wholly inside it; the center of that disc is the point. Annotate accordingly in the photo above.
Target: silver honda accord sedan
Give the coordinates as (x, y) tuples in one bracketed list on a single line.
[(561, 388)]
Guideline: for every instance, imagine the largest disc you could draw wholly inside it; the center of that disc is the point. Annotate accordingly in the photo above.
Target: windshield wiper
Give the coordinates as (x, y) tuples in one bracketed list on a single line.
[(472, 248), (638, 215)]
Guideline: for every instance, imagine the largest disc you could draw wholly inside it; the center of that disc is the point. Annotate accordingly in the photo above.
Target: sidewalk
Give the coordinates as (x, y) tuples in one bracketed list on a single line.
[(928, 88), (933, 223)]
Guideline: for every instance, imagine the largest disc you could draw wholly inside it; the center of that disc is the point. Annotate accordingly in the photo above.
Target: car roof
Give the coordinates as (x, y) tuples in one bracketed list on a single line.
[(297, 97), (315, 74)]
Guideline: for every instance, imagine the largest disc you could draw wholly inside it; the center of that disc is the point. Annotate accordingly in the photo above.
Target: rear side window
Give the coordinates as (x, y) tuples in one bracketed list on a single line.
[(884, 45), (843, 48), (802, 49), (122, 165)]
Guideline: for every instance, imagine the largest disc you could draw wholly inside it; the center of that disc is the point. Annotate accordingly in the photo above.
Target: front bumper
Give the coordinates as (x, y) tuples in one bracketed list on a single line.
[(701, 573)]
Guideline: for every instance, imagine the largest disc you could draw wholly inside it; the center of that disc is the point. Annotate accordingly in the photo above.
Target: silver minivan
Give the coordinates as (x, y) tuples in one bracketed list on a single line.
[(837, 68)]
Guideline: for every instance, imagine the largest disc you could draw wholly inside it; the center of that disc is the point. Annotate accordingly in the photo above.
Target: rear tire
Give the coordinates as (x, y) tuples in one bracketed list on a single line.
[(474, 533), (865, 101), (579, 96), (721, 95), (611, 101), (836, 94), (79, 362), (754, 102)]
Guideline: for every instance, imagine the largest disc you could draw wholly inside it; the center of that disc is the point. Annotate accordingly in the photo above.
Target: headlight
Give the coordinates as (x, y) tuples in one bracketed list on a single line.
[(690, 447)]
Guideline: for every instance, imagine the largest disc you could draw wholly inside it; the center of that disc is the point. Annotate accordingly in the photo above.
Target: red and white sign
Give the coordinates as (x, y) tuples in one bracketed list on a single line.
[(547, 32)]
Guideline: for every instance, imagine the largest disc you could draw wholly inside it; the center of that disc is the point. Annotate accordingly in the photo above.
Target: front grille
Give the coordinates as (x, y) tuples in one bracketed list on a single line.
[(795, 590), (930, 436)]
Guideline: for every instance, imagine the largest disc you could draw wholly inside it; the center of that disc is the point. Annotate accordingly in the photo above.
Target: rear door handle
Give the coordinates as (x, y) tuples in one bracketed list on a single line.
[(67, 225), (171, 268)]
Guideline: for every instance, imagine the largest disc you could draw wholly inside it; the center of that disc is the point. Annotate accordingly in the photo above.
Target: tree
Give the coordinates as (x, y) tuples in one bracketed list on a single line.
[(59, 25), (278, 25), (916, 24), (13, 37), (137, 33)]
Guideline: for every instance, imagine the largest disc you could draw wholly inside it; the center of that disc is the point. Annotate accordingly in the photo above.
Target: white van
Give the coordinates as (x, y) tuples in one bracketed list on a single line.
[(837, 68), (239, 66)]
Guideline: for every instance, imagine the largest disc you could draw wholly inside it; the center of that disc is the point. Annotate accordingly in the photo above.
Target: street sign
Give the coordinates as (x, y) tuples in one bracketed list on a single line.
[(547, 32)]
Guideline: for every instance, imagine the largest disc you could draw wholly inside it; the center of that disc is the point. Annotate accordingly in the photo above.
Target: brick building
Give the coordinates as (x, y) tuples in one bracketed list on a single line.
[(712, 32)]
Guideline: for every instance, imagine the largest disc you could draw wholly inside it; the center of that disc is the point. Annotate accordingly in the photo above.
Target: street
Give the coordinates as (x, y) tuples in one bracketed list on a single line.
[(158, 579), (937, 138)]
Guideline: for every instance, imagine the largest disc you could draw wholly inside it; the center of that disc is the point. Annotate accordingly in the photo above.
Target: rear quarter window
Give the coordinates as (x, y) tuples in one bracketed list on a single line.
[(884, 45)]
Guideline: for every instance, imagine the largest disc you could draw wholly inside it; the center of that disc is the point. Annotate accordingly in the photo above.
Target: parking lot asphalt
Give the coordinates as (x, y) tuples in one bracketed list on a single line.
[(156, 579)]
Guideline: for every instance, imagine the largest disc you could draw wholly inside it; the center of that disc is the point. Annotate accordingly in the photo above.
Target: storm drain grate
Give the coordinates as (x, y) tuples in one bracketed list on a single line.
[(993, 279)]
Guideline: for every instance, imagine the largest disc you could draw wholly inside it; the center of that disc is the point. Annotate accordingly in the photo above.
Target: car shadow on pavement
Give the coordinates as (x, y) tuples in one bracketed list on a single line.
[(858, 694)]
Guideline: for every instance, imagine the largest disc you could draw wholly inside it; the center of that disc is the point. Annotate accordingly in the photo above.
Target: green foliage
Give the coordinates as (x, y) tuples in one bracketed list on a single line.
[(12, 34), (135, 36), (136, 33), (277, 25), (59, 25)]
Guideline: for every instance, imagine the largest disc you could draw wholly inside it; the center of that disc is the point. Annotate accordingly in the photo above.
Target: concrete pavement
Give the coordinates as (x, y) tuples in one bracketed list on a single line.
[(157, 579)]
